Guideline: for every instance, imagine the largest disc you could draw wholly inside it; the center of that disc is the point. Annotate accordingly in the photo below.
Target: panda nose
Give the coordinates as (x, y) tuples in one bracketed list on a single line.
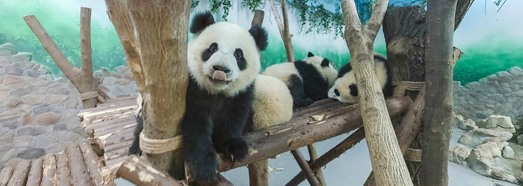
[(221, 68)]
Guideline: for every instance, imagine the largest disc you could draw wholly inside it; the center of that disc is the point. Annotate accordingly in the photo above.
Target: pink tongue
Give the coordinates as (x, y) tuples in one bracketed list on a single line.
[(219, 75)]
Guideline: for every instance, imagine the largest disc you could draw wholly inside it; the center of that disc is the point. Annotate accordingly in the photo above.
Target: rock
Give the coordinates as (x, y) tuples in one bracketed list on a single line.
[(59, 90), (27, 119), (497, 121), (479, 136), (33, 99), (8, 49), (8, 155), (481, 159), (39, 109), (57, 98), (24, 57), (519, 139), (23, 141), (21, 91), (14, 70), (31, 153), (508, 152), (515, 71), (13, 102), (48, 118), (461, 123), (33, 73), (459, 154), (10, 79), (59, 127), (31, 130)]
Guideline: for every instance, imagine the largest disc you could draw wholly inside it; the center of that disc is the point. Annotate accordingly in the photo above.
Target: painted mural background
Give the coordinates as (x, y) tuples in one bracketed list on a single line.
[(491, 36)]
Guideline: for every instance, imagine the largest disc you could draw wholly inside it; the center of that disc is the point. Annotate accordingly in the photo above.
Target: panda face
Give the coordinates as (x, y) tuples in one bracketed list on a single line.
[(223, 57), (345, 89), (324, 67)]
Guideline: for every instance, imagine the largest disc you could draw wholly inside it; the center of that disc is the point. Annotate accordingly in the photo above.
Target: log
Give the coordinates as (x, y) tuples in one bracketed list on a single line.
[(258, 173), (305, 167), (79, 171), (297, 133), (333, 153), (138, 172), (35, 173), (5, 175), (49, 170), (91, 160), (19, 176), (63, 174)]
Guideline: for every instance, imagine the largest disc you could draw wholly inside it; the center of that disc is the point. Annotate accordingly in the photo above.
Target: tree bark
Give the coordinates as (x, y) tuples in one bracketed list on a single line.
[(83, 78), (387, 160), (154, 36), (139, 172), (438, 106)]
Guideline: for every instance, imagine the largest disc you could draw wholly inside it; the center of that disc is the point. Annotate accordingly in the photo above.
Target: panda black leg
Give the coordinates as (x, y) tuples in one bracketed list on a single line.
[(135, 146), (298, 92), (198, 150)]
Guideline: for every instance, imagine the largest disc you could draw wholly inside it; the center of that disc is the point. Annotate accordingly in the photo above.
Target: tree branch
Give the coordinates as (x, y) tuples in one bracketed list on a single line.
[(351, 20), (285, 34), (59, 59), (378, 12)]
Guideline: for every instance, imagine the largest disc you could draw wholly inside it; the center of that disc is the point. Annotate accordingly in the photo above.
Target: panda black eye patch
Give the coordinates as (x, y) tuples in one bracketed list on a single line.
[(206, 54), (353, 90), (238, 54), (336, 92)]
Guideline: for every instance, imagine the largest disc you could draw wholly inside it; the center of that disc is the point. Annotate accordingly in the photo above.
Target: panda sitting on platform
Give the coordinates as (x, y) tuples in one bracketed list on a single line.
[(345, 89), (308, 80), (223, 61)]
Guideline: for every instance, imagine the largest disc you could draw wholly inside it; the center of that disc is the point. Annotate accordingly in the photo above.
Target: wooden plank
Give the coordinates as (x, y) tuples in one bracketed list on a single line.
[(77, 166), (101, 111), (116, 153), (49, 170), (114, 128), (114, 146), (19, 177), (92, 163), (35, 173), (113, 138), (109, 121), (5, 175)]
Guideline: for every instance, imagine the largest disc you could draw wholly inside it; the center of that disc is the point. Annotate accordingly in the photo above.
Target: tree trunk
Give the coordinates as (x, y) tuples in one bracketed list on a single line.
[(387, 160), (438, 106), (154, 36)]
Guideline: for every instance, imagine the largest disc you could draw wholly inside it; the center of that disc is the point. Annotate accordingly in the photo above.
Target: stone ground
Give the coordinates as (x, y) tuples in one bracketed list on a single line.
[(37, 112)]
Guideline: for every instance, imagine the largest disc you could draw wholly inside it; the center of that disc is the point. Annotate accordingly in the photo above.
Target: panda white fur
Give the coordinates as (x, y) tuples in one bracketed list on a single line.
[(345, 89), (223, 61), (308, 80), (272, 104)]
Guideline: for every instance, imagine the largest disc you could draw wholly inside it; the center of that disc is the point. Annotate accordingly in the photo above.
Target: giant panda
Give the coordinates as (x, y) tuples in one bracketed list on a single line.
[(308, 80), (345, 89), (223, 61)]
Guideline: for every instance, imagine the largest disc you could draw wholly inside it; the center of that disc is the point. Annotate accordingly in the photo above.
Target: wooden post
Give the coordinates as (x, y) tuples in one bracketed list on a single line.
[(139, 172), (386, 158), (438, 106)]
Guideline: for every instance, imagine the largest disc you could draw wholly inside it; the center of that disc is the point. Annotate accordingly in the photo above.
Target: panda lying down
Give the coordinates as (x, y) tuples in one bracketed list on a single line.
[(225, 97)]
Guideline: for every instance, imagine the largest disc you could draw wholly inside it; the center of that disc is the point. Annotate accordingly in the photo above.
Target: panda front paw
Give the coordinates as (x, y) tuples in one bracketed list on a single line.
[(234, 149)]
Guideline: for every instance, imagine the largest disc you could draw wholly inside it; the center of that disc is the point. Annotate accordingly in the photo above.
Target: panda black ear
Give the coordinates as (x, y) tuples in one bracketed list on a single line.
[(200, 21), (310, 54), (260, 36), (325, 62)]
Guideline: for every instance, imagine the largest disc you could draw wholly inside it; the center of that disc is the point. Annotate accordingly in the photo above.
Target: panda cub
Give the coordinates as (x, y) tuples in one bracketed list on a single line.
[(345, 89), (223, 61), (308, 80)]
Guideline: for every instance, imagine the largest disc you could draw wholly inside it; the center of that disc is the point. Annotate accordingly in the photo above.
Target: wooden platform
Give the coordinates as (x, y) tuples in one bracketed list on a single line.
[(76, 165)]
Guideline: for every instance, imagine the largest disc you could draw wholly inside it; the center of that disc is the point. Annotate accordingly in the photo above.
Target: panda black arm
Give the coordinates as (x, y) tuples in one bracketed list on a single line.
[(229, 127), (315, 86), (196, 127), (135, 146)]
